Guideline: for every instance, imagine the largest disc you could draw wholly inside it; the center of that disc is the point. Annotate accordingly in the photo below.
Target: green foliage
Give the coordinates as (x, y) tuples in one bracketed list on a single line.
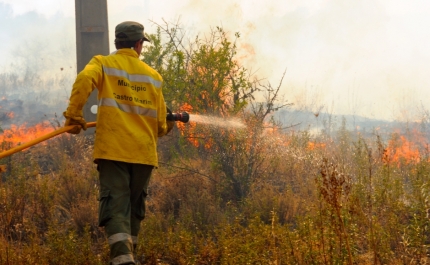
[(202, 73)]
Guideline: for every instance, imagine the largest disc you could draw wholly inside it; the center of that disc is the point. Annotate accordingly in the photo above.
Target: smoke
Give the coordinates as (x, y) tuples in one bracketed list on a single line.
[(38, 66), (367, 52), (354, 57)]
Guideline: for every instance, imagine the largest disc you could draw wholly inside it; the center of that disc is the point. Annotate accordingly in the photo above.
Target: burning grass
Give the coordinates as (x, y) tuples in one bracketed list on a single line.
[(22, 134), (312, 200)]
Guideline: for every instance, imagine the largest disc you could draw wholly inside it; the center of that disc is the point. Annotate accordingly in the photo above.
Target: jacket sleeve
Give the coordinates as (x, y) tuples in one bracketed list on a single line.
[(86, 81), (161, 113)]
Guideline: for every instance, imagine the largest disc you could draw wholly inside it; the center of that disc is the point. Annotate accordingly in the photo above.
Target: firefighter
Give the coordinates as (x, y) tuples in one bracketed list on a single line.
[(131, 115)]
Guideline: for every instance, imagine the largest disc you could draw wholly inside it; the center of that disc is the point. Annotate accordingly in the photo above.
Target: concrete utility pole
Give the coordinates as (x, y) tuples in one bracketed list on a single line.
[(92, 38)]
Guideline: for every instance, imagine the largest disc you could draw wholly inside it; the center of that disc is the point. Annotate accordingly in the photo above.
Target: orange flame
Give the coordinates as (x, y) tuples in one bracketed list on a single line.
[(189, 130), (406, 151), (22, 134), (313, 146), (186, 107)]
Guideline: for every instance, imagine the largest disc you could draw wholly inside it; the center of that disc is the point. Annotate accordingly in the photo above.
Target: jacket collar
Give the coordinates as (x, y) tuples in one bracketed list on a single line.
[(127, 51)]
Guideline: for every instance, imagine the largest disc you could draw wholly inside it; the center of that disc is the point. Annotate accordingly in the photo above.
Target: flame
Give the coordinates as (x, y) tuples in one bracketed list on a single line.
[(22, 134), (186, 107), (10, 115), (401, 150), (189, 130), (313, 146)]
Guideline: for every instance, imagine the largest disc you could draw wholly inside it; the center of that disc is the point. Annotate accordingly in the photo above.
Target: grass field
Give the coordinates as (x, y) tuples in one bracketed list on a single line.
[(312, 199)]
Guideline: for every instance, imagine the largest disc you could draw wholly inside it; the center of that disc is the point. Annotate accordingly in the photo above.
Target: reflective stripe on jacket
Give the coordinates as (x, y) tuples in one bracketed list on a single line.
[(131, 113)]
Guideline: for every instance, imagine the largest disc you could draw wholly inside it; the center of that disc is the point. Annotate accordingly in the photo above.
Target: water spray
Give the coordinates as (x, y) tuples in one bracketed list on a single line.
[(204, 119), (230, 123)]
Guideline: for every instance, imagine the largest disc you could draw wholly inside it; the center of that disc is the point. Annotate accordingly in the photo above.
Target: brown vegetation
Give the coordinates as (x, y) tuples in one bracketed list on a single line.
[(254, 195), (343, 202)]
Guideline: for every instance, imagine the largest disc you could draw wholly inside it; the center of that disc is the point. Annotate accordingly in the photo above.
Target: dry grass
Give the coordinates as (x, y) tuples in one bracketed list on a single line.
[(339, 203)]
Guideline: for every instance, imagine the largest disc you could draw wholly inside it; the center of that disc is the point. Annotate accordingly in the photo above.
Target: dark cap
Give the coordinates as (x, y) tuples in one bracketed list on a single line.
[(131, 31)]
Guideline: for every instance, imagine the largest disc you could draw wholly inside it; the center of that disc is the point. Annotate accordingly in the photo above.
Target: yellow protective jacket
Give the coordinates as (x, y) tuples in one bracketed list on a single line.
[(131, 109)]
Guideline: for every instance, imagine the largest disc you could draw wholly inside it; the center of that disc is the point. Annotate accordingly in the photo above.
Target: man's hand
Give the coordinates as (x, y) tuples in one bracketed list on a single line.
[(75, 121)]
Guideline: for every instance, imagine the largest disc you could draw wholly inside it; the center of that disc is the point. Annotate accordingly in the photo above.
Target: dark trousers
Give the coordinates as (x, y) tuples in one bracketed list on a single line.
[(123, 190)]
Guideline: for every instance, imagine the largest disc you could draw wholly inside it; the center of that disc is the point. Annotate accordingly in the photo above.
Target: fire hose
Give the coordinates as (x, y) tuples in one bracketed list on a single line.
[(183, 117)]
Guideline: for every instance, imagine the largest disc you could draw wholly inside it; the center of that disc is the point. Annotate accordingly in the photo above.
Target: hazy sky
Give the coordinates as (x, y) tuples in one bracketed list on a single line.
[(367, 57)]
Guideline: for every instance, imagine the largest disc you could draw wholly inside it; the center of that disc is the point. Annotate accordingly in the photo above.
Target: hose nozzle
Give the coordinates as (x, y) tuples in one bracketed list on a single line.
[(183, 117)]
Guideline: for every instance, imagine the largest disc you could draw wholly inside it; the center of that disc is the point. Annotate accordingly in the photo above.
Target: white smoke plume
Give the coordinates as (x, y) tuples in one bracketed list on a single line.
[(365, 58)]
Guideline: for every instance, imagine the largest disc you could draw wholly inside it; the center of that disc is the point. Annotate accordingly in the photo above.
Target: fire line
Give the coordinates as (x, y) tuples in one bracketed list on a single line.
[(41, 139)]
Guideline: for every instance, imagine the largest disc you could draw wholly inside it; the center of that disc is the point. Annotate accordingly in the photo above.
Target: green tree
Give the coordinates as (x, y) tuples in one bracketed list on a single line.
[(201, 72), (205, 74)]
